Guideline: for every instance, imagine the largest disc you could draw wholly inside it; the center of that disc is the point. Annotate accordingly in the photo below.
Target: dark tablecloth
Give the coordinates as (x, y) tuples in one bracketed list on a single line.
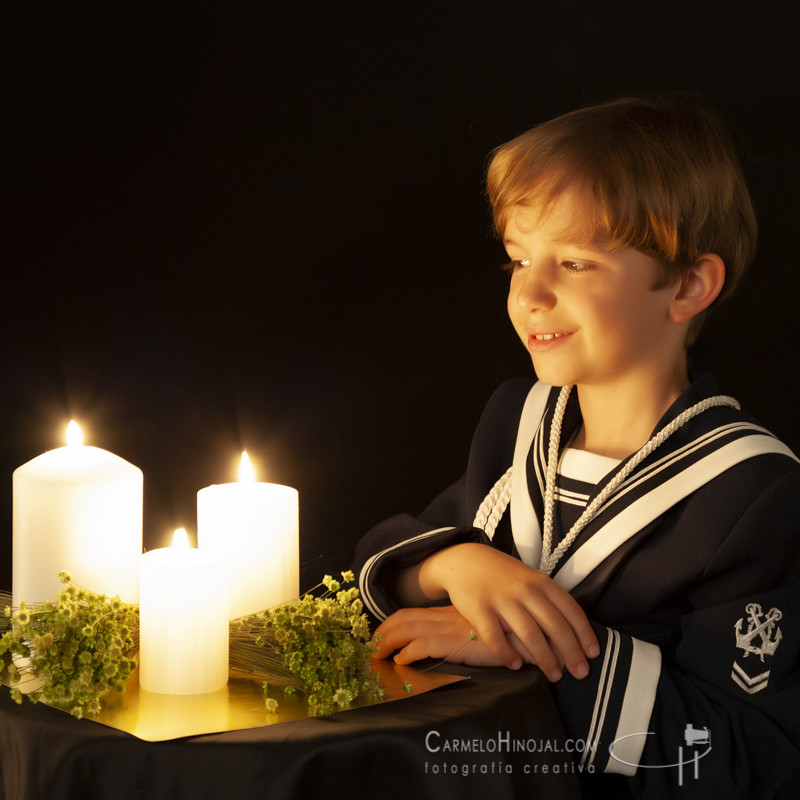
[(494, 736)]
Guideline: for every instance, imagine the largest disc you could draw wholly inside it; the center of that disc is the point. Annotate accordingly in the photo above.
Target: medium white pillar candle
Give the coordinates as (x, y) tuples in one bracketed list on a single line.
[(253, 526), (183, 620), (77, 508)]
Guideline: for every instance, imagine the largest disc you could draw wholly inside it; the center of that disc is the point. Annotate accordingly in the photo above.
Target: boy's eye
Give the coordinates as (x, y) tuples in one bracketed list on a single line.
[(576, 266), (515, 264)]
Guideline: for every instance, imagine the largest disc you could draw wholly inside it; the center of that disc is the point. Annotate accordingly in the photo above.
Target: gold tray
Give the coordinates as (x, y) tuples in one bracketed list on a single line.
[(158, 717)]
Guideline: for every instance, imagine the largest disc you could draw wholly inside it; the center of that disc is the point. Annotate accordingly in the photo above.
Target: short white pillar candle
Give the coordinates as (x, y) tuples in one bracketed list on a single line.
[(183, 620)]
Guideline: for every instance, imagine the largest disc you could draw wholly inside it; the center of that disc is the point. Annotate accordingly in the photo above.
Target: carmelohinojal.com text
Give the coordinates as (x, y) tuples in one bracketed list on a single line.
[(503, 743)]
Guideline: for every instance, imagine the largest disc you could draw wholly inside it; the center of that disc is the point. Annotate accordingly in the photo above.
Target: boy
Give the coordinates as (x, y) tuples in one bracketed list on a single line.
[(650, 544)]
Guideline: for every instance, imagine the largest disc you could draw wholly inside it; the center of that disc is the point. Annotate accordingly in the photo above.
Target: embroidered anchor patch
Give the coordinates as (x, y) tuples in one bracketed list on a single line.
[(761, 637)]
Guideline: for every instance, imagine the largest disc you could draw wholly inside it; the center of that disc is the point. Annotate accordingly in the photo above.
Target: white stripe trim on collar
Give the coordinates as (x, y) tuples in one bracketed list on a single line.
[(660, 498), (524, 522), (646, 473)]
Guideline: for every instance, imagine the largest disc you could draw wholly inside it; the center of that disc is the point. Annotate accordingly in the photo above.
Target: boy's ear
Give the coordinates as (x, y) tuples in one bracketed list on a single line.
[(698, 288)]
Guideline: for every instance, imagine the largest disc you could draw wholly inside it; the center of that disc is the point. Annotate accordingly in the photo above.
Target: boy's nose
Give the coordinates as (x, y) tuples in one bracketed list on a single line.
[(534, 290)]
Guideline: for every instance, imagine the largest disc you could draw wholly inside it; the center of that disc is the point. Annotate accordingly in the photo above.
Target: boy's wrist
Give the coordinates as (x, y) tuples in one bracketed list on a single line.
[(434, 571), (427, 581), (411, 589)]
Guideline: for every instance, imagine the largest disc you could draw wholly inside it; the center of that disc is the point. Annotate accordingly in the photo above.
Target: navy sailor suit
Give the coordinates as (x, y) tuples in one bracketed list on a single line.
[(689, 572)]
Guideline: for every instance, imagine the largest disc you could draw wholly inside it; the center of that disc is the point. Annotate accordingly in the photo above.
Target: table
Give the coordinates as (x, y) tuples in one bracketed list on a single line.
[(411, 748)]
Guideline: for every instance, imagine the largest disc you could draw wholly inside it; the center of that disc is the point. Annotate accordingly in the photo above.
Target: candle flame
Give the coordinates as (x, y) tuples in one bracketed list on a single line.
[(74, 434), (180, 539), (246, 472)]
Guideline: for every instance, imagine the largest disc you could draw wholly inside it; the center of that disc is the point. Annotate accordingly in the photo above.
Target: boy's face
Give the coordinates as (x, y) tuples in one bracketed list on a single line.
[(587, 316)]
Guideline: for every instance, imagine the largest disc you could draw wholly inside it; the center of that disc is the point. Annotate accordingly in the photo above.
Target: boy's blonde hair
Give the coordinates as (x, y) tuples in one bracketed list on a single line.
[(658, 175)]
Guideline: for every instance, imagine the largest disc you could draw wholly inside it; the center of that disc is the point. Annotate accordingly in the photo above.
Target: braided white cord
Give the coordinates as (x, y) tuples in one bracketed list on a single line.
[(494, 505), (549, 560), (550, 470)]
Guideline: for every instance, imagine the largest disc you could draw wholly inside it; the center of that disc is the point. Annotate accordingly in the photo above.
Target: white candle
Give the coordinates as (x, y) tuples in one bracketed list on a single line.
[(77, 508), (254, 527), (183, 620)]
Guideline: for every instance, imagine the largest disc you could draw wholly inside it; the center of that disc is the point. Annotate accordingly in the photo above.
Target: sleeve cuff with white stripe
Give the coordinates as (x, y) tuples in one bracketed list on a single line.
[(379, 570), (610, 709)]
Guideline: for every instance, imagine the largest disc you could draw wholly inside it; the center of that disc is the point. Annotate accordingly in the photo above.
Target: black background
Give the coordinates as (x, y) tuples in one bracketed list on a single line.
[(261, 225)]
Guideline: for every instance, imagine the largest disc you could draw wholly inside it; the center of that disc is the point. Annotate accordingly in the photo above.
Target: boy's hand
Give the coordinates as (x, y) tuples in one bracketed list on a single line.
[(439, 632), (499, 595)]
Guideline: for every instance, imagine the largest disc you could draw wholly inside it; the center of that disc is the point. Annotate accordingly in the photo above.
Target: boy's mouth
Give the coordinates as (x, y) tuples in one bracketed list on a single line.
[(546, 337), (545, 341)]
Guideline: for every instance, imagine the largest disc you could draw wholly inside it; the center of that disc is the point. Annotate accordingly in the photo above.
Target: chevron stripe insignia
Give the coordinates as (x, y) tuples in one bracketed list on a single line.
[(751, 685)]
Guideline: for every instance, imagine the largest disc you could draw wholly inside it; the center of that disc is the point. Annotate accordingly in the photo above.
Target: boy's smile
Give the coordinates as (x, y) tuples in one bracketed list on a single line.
[(587, 315), (540, 342)]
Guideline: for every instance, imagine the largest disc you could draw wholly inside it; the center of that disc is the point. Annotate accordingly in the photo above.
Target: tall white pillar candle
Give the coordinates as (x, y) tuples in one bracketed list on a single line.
[(183, 620), (254, 526), (77, 508)]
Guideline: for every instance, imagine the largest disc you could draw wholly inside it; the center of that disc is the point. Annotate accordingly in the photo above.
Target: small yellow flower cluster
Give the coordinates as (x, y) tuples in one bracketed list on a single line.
[(79, 648), (318, 646)]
